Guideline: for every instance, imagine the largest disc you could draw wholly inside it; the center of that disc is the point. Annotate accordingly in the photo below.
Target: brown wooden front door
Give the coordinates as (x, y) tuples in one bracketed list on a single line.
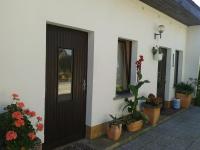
[(162, 75), (66, 74)]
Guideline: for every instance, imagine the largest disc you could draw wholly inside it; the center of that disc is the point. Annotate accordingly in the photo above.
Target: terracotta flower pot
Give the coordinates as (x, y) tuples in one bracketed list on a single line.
[(135, 126), (185, 99), (153, 114), (114, 132)]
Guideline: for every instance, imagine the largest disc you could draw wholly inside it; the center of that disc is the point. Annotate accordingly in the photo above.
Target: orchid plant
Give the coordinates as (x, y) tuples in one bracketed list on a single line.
[(131, 105), (16, 129)]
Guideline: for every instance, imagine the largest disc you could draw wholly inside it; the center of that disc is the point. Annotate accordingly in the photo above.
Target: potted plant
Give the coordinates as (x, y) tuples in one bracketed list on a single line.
[(184, 93), (135, 119), (114, 128), (157, 54), (151, 108), (197, 100), (16, 129)]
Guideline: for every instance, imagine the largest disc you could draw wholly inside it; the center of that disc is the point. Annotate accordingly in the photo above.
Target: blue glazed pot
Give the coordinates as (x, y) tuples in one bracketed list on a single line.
[(176, 103)]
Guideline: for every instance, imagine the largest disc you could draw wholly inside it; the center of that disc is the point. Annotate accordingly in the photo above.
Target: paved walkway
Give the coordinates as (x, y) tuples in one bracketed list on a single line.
[(179, 133)]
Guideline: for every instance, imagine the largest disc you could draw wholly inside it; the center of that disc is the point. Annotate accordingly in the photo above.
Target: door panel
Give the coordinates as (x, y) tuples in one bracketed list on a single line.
[(66, 72), (162, 75)]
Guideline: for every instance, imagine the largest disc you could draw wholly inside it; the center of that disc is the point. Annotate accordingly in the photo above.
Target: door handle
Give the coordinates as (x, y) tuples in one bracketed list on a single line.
[(84, 85)]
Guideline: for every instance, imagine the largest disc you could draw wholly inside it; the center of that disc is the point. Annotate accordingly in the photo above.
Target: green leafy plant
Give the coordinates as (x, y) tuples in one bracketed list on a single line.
[(115, 121), (197, 100), (184, 88), (135, 117), (194, 83), (16, 129), (198, 84), (131, 105)]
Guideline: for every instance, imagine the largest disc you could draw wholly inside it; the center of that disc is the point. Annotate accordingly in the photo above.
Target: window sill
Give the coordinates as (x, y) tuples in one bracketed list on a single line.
[(122, 96)]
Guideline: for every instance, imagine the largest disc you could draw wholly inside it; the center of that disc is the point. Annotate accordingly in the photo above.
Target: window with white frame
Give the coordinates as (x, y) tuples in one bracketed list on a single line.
[(124, 53)]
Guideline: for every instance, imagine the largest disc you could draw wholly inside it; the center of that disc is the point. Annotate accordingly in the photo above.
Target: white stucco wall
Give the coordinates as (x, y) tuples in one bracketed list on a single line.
[(23, 47), (193, 52)]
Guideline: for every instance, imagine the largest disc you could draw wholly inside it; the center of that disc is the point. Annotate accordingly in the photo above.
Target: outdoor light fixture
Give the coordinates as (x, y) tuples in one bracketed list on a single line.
[(161, 29)]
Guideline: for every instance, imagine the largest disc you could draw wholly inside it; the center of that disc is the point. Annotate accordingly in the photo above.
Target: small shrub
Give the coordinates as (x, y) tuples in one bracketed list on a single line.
[(136, 116), (16, 129), (184, 88), (115, 121), (197, 100), (153, 100)]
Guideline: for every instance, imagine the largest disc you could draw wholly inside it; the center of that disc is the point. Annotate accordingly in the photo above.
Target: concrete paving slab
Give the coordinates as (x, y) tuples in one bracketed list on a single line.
[(179, 133)]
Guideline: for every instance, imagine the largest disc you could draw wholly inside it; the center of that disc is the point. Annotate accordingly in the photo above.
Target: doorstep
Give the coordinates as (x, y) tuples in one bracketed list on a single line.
[(103, 143)]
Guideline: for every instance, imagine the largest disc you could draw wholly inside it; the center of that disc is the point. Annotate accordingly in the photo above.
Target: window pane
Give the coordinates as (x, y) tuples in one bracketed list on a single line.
[(121, 84), (65, 64), (123, 66)]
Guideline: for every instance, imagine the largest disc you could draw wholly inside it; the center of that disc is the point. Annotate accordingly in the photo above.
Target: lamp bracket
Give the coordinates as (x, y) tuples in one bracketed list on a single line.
[(157, 34)]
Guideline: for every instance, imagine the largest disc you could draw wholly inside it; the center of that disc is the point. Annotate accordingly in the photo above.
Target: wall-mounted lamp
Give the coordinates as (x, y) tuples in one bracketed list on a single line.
[(161, 29)]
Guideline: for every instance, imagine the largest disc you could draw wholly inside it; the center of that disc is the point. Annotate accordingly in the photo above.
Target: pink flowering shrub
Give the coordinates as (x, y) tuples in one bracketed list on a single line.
[(16, 130)]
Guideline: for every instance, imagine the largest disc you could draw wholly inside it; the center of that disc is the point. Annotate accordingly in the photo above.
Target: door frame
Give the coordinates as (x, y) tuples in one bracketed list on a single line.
[(168, 75), (89, 49), (164, 86), (180, 65)]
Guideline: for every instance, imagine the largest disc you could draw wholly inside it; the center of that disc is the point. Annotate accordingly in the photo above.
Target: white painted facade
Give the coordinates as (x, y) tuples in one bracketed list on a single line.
[(192, 63), (23, 48)]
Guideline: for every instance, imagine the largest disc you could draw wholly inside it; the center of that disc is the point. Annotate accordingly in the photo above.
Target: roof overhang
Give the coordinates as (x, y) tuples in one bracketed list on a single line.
[(185, 11)]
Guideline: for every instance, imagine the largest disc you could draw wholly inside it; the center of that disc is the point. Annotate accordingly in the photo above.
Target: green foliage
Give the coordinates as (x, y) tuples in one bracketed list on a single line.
[(131, 105), (136, 116), (139, 75), (197, 100), (115, 120), (9, 123), (184, 88)]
